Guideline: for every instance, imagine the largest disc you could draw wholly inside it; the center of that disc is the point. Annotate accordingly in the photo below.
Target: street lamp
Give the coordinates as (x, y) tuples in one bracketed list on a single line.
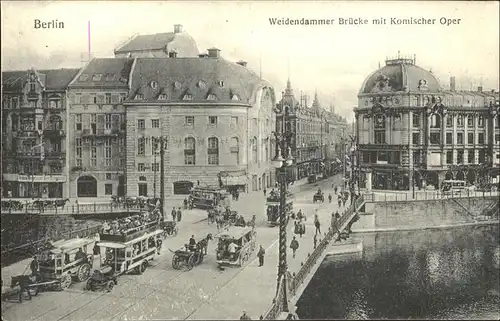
[(161, 143), (282, 164)]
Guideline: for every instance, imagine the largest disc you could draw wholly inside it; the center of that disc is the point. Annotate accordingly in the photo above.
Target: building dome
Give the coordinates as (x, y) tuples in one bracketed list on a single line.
[(400, 75)]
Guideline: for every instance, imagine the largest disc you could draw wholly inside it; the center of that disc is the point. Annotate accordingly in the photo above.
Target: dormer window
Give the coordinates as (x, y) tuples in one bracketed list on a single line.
[(97, 77), (177, 85), (162, 97), (187, 97), (154, 84), (220, 83), (235, 97), (202, 84), (110, 77), (83, 77), (212, 97), (138, 97)]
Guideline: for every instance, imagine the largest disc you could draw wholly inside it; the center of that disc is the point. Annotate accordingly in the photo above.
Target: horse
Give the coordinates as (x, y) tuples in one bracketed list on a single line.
[(202, 245)]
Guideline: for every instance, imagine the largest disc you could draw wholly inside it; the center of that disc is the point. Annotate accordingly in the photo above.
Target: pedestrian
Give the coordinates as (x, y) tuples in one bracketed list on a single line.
[(339, 200), (343, 201), (174, 214), (198, 182), (329, 197), (265, 192), (34, 266), (294, 246), (179, 215), (185, 203), (261, 254), (335, 189), (318, 227), (315, 240)]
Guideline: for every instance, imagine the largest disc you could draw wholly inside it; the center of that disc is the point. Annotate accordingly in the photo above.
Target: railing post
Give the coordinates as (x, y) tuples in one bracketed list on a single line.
[(95, 212)]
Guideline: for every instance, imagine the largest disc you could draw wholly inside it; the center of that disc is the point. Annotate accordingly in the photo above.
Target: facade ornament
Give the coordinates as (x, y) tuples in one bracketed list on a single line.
[(422, 85), (382, 84)]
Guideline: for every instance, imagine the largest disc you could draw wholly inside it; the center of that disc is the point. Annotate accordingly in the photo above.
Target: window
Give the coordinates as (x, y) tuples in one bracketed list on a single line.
[(108, 98), (97, 77), (379, 129), (460, 138), (78, 99), (108, 176), (154, 84), (212, 120), (480, 138), (435, 121), (78, 121), (123, 97), (155, 145), (460, 120), (480, 121), (189, 151), (143, 189), (221, 83), (213, 151), (189, 121), (497, 138), (83, 77), (140, 146), (108, 189), (235, 150), (435, 138), (254, 150), (460, 156), (470, 156), (78, 146), (482, 157), (141, 124), (155, 123), (138, 97), (380, 137), (470, 121), (110, 77), (416, 157), (234, 121), (449, 157), (107, 121), (449, 121), (93, 154), (107, 151), (32, 86), (141, 167), (470, 138), (449, 138), (211, 97), (416, 138), (235, 97), (93, 99), (155, 167), (162, 97), (123, 162), (416, 120)]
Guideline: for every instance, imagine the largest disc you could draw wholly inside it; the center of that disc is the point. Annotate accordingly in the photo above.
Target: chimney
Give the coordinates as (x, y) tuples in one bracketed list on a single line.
[(214, 53), (177, 28), (452, 83), (480, 89), (203, 55), (172, 54), (242, 63)]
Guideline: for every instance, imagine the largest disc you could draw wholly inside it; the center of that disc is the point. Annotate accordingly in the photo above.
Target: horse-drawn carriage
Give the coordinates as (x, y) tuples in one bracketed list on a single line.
[(189, 256), (273, 208), (207, 197), (170, 228), (319, 196), (235, 246)]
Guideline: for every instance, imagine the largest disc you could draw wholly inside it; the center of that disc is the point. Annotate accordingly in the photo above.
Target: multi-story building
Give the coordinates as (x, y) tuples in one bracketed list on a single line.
[(34, 133), (411, 131), (312, 131), (214, 116), (97, 127), (164, 45)]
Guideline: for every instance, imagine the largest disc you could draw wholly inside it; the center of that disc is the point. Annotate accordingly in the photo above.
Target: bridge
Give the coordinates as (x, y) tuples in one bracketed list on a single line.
[(83, 210)]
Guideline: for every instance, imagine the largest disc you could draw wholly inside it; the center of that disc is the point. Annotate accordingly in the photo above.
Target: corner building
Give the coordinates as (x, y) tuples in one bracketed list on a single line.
[(411, 131), (35, 129), (215, 117)]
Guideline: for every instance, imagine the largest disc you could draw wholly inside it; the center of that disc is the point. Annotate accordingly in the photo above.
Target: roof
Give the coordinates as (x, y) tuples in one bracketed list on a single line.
[(235, 232), (196, 79), (182, 43), (104, 72), (400, 75), (68, 245), (52, 79)]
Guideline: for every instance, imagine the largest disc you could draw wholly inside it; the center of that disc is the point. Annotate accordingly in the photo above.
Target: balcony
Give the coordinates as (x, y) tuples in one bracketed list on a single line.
[(27, 133), (87, 133), (54, 133), (28, 154), (46, 178), (55, 155)]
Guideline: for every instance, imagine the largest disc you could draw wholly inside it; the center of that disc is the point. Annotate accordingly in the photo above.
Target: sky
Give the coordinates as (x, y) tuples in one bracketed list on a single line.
[(331, 59)]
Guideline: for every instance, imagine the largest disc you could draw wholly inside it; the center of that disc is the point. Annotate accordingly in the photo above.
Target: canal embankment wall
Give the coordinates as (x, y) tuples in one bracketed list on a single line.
[(421, 214)]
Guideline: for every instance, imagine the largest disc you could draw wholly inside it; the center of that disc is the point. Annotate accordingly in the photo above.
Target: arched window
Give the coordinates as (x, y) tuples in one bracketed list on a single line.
[(435, 121), (189, 151), (55, 123), (254, 150), (480, 121), (379, 129), (213, 151), (235, 150)]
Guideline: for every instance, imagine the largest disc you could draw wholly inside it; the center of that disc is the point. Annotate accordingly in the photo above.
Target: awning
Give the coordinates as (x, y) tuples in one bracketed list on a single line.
[(112, 245), (233, 178)]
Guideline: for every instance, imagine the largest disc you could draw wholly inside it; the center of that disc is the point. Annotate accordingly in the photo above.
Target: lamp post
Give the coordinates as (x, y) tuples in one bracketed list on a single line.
[(282, 164), (161, 143)]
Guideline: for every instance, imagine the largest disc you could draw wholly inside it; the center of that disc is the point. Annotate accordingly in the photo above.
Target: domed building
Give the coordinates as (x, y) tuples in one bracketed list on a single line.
[(412, 132)]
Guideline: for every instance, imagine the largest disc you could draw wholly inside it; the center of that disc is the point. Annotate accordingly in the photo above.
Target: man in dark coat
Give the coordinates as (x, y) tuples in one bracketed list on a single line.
[(174, 214), (261, 254), (179, 215)]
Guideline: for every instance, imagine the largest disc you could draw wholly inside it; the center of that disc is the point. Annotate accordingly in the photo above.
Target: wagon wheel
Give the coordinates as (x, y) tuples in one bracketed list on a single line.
[(110, 285), (64, 282), (200, 256), (176, 262), (190, 262), (83, 272), (141, 268)]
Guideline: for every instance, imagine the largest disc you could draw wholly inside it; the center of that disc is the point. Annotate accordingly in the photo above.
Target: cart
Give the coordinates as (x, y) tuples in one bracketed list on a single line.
[(244, 239), (170, 228)]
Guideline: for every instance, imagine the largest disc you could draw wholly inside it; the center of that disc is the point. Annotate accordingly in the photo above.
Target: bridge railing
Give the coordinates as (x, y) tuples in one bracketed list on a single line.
[(425, 195), (17, 207), (277, 306)]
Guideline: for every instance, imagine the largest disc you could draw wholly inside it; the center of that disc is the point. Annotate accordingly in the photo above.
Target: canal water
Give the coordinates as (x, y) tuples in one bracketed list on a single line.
[(429, 274)]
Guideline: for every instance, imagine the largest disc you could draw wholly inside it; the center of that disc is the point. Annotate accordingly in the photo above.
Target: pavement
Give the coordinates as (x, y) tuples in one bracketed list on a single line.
[(205, 292)]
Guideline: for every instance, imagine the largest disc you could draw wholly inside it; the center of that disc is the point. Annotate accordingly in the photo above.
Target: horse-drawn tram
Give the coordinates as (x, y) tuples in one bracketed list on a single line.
[(125, 251), (273, 207), (235, 245), (207, 197)]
